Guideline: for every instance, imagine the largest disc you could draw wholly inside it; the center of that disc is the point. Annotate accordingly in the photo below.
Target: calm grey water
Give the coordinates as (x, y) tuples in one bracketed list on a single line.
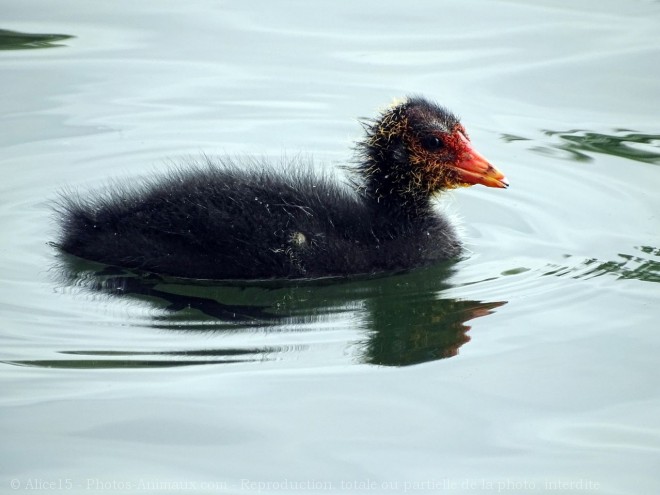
[(528, 366)]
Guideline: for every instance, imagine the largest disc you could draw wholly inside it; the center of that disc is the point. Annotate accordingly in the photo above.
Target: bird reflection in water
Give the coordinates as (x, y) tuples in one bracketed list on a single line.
[(403, 317)]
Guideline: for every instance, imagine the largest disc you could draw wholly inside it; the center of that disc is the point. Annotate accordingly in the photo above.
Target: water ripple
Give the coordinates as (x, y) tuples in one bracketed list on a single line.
[(14, 40), (637, 267), (577, 144), (396, 320)]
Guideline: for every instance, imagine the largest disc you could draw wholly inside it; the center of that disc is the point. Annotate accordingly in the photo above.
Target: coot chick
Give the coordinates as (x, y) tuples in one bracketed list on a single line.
[(224, 222)]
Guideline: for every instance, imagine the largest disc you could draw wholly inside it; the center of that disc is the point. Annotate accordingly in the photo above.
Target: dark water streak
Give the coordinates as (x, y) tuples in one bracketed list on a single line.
[(15, 40), (403, 317), (578, 144)]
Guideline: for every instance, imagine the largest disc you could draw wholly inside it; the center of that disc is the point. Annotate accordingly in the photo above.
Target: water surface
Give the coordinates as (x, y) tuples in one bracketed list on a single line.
[(528, 365)]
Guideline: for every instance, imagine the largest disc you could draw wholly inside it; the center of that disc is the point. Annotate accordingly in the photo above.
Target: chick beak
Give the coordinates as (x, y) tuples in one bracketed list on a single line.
[(473, 168)]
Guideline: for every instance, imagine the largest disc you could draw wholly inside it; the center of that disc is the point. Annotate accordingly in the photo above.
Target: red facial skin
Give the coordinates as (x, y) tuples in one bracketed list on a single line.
[(471, 166), (454, 164)]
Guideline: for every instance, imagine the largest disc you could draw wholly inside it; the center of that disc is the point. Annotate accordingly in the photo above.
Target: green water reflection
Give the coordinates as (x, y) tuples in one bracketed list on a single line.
[(14, 40), (640, 267), (404, 318), (578, 144), (405, 334)]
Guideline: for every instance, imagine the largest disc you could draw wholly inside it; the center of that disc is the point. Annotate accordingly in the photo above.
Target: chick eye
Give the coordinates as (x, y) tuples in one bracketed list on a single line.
[(432, 143)]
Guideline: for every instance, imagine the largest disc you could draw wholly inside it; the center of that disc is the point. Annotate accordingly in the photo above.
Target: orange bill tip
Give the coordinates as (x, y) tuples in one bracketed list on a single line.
[(472, 168)]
